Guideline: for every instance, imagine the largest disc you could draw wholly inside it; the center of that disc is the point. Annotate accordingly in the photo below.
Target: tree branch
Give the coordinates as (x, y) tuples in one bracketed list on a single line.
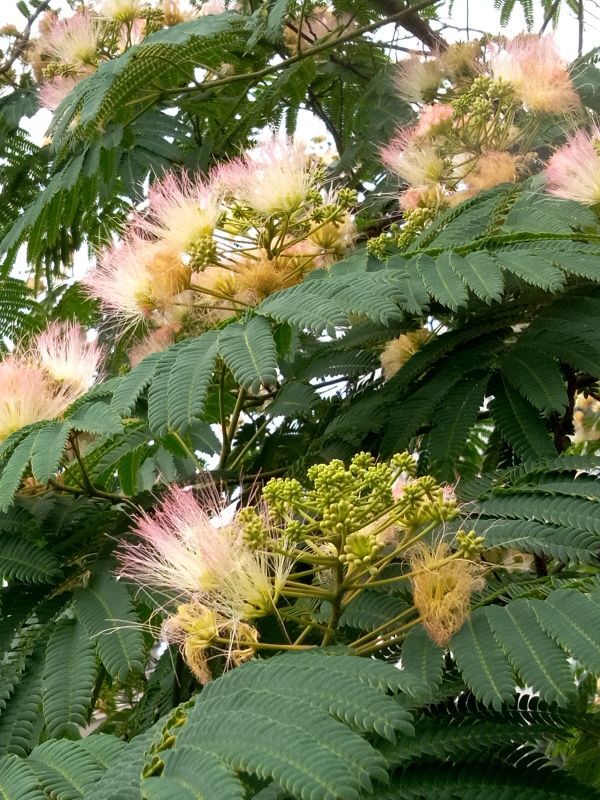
[(413, 23), (22, 39)]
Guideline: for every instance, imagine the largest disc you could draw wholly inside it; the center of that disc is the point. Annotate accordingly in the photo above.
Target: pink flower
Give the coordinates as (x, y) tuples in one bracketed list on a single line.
[(539, 76), (272, 178), (67, 356), (183, 210), (154, 342), (180, 550), (42, 382), (74, 41), (573, 172), (415, 161), (136, 278), (53, 92), (28, 394), (432, 118)]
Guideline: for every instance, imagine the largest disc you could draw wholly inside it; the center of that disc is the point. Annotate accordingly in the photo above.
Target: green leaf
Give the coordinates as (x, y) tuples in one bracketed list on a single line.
[(293, 399), (440, 279), (481, 273), (17, 780), (98, 418), (537, 659), (26, 562), (482, 662), (190, 775), (537, 377), (533, 268), (68, 680), (187, 385), (105, 609), (422, 664), (13, 471), (520, 424), (452, 423), (571, 618), (65, 769), (131, 386), (48, 449), (250, 352)]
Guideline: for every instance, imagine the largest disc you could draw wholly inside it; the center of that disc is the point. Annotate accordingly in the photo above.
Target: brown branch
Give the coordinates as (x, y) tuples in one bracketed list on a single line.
[(413, 23), (22, 39)]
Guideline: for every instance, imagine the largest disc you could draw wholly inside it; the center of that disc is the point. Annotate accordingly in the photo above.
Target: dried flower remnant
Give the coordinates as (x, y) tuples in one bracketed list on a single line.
[(398, 351), (533, 66), (586, 419), (573, 172), (442, 588)]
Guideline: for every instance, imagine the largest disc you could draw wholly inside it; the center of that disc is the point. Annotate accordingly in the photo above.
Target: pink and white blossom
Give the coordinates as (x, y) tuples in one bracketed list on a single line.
[(179, 548), (67, 356), (433, 118), (415, 161), (273, 178), (536, 71), (74, 41), (182, 210), (573, 172)]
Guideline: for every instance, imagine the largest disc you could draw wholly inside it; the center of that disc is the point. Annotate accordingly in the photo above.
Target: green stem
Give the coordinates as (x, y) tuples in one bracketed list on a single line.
[(260, 430), (229, 431)]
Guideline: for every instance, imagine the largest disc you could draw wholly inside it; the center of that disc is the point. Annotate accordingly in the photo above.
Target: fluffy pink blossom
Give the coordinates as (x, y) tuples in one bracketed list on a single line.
[(53, 92), (573, 172), (74, 41), (538, 74), (67, 356), (272, 178), (42, 382), (28, 394), (180, 550), (415, 161), (432, 118), (211, 7), (183, 210), (136, 277)]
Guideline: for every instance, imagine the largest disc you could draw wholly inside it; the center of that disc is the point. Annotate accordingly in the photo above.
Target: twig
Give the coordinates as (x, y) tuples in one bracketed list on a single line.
[(22, 39), (310, 52)]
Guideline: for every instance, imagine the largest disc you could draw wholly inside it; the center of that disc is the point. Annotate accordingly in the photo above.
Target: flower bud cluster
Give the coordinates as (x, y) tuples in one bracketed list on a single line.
[(479, 109), (300, 544)]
